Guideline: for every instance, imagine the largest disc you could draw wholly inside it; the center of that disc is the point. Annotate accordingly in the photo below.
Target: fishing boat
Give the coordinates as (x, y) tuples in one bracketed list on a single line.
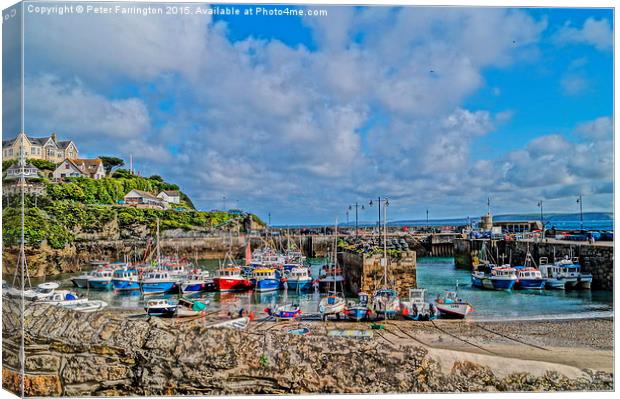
[(62, 298), (386, 303), (157, 282), (230, 279), (187, 307), (160, 307), (101, 280), (503, 277), (572, 270), (451, 306), (42, 292), (125, 280), (284, 312), (359, 310), (417, 307), (330, 276), (240, 323), (299, 279), (265, 280), (197, 281), (481, 277), (332, 304), (81, 281), (529, 278), (556, 275)]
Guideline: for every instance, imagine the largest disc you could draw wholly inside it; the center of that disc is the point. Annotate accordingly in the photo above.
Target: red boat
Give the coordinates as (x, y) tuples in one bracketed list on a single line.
[(230, 279)]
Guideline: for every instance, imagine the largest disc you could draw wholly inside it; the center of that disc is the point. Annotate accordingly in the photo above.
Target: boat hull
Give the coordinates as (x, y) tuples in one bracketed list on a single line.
[(554, 283), (125, 285), (164, 311), (300, 285), (193, 287), (503, 284), (453, 310), (267, 285), (99, 284), (159, 287), (357, 313), (228, 284), (531, 284), (80, 282)]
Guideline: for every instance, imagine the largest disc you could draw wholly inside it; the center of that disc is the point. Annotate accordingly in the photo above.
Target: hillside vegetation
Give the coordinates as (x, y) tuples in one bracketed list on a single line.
[(83, 205)]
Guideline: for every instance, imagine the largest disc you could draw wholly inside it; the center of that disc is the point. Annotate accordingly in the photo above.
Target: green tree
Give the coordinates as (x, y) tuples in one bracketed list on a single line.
[(110, 163), (43, 164)]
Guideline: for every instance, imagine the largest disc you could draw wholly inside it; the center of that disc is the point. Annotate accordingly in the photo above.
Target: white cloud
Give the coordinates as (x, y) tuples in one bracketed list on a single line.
[(595, 32), (573, 85)]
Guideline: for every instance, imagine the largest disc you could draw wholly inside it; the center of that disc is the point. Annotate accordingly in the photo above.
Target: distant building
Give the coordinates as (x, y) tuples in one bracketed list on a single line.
[(92, 168), (13, 171), (170, 196), (143, 199), (486, 222), (521, 226), (48, 148)]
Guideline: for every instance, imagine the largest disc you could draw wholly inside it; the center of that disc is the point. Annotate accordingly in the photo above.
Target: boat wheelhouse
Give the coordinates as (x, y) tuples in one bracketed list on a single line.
[(125, 280), (503, 277), (230, 279), (385, 303), (529, 278), (157, 282), (299, 279), (265, 279), (417, 308), (101, 280)]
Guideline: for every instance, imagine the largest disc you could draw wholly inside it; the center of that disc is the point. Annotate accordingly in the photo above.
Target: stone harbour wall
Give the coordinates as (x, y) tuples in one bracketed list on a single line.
[(107, 354), (365, 273)]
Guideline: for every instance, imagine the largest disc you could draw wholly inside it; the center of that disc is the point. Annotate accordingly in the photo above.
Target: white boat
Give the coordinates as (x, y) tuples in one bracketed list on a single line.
[(160, 307), (417, 308), (81, 281), (62, 298), (101, 279), (41, 293), (240, 323), (386, 303), (452, 306), (332, 304), (88, 306), (197, 281)]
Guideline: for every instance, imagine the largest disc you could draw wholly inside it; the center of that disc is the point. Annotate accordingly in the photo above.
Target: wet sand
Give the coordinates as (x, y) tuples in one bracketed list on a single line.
[(567, 346)]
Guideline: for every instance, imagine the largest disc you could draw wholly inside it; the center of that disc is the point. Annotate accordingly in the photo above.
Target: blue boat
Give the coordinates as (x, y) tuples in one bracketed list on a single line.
[(503, 277), (358, 311), (299, 279), (100, 280), (265, 280), (481, 277), (157, 282), (125, 280)]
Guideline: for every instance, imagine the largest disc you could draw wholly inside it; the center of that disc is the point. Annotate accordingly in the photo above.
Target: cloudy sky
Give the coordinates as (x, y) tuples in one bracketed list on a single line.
[(435, 108)]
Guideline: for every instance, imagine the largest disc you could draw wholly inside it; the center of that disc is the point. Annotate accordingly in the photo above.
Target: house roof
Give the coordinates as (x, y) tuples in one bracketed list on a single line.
[(143, 194), (87, 165), (38, 141), (171, 193)]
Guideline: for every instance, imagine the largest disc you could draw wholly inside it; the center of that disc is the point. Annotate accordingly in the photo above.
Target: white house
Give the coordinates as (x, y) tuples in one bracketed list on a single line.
[(143, 199), (170, 196), (92, 168)]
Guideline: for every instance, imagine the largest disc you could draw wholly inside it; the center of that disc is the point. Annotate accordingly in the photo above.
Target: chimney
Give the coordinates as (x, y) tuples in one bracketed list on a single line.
[(54, 137)]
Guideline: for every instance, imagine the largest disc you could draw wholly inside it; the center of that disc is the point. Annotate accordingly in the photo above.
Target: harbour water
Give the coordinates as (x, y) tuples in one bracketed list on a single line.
[(434, 274)]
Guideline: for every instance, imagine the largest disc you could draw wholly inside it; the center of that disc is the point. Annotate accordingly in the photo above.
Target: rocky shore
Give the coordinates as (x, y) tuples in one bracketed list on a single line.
[(109, 353)]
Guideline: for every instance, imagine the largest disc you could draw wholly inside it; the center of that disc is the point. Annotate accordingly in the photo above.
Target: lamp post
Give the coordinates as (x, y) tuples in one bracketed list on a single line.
[(580, 202), (356, 205), (386, 204), (379, 213), (542, 222)]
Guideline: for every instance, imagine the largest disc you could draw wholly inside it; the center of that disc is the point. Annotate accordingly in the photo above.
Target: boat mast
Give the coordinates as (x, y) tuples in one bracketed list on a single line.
[(385, 278), (158, 250), (335, 262)]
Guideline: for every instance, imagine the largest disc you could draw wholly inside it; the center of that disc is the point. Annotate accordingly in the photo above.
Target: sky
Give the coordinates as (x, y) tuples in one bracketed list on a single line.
[(434, 108)]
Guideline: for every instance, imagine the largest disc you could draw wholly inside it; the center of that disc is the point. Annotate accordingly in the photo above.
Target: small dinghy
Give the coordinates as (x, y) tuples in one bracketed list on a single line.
[(284, 312), (63, 298), (333, 303), (359, 310), (160, 307), (85, 307), (451, 306), (42, 292), (240, 323), (299, 331), (187, 307), (359, 334)]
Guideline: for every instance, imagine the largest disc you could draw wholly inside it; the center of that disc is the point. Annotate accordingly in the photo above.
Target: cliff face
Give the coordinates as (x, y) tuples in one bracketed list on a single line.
[(73, 354)]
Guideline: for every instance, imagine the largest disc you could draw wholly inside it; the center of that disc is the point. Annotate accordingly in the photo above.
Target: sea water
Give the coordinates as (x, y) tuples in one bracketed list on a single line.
[(434, 274)]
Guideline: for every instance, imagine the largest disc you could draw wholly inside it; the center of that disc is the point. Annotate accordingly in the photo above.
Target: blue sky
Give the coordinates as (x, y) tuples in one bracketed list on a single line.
[(436, 108)]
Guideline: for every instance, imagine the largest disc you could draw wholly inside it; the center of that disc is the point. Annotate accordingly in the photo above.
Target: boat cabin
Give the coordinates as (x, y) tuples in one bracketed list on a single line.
[(299, 273), (529, 273), (229, 272), (264, 274), (122, 273), (504, 272), (157, 275), (46, 288), (417, 295), (104, 273)]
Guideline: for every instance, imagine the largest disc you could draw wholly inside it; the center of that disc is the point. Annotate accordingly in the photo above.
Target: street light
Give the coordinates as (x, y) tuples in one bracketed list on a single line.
[(386, 204), (542, 222), (356, 205), (580, 202)]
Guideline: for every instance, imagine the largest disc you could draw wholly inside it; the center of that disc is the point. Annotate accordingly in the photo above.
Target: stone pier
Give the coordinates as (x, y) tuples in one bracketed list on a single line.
[(364, 273)]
